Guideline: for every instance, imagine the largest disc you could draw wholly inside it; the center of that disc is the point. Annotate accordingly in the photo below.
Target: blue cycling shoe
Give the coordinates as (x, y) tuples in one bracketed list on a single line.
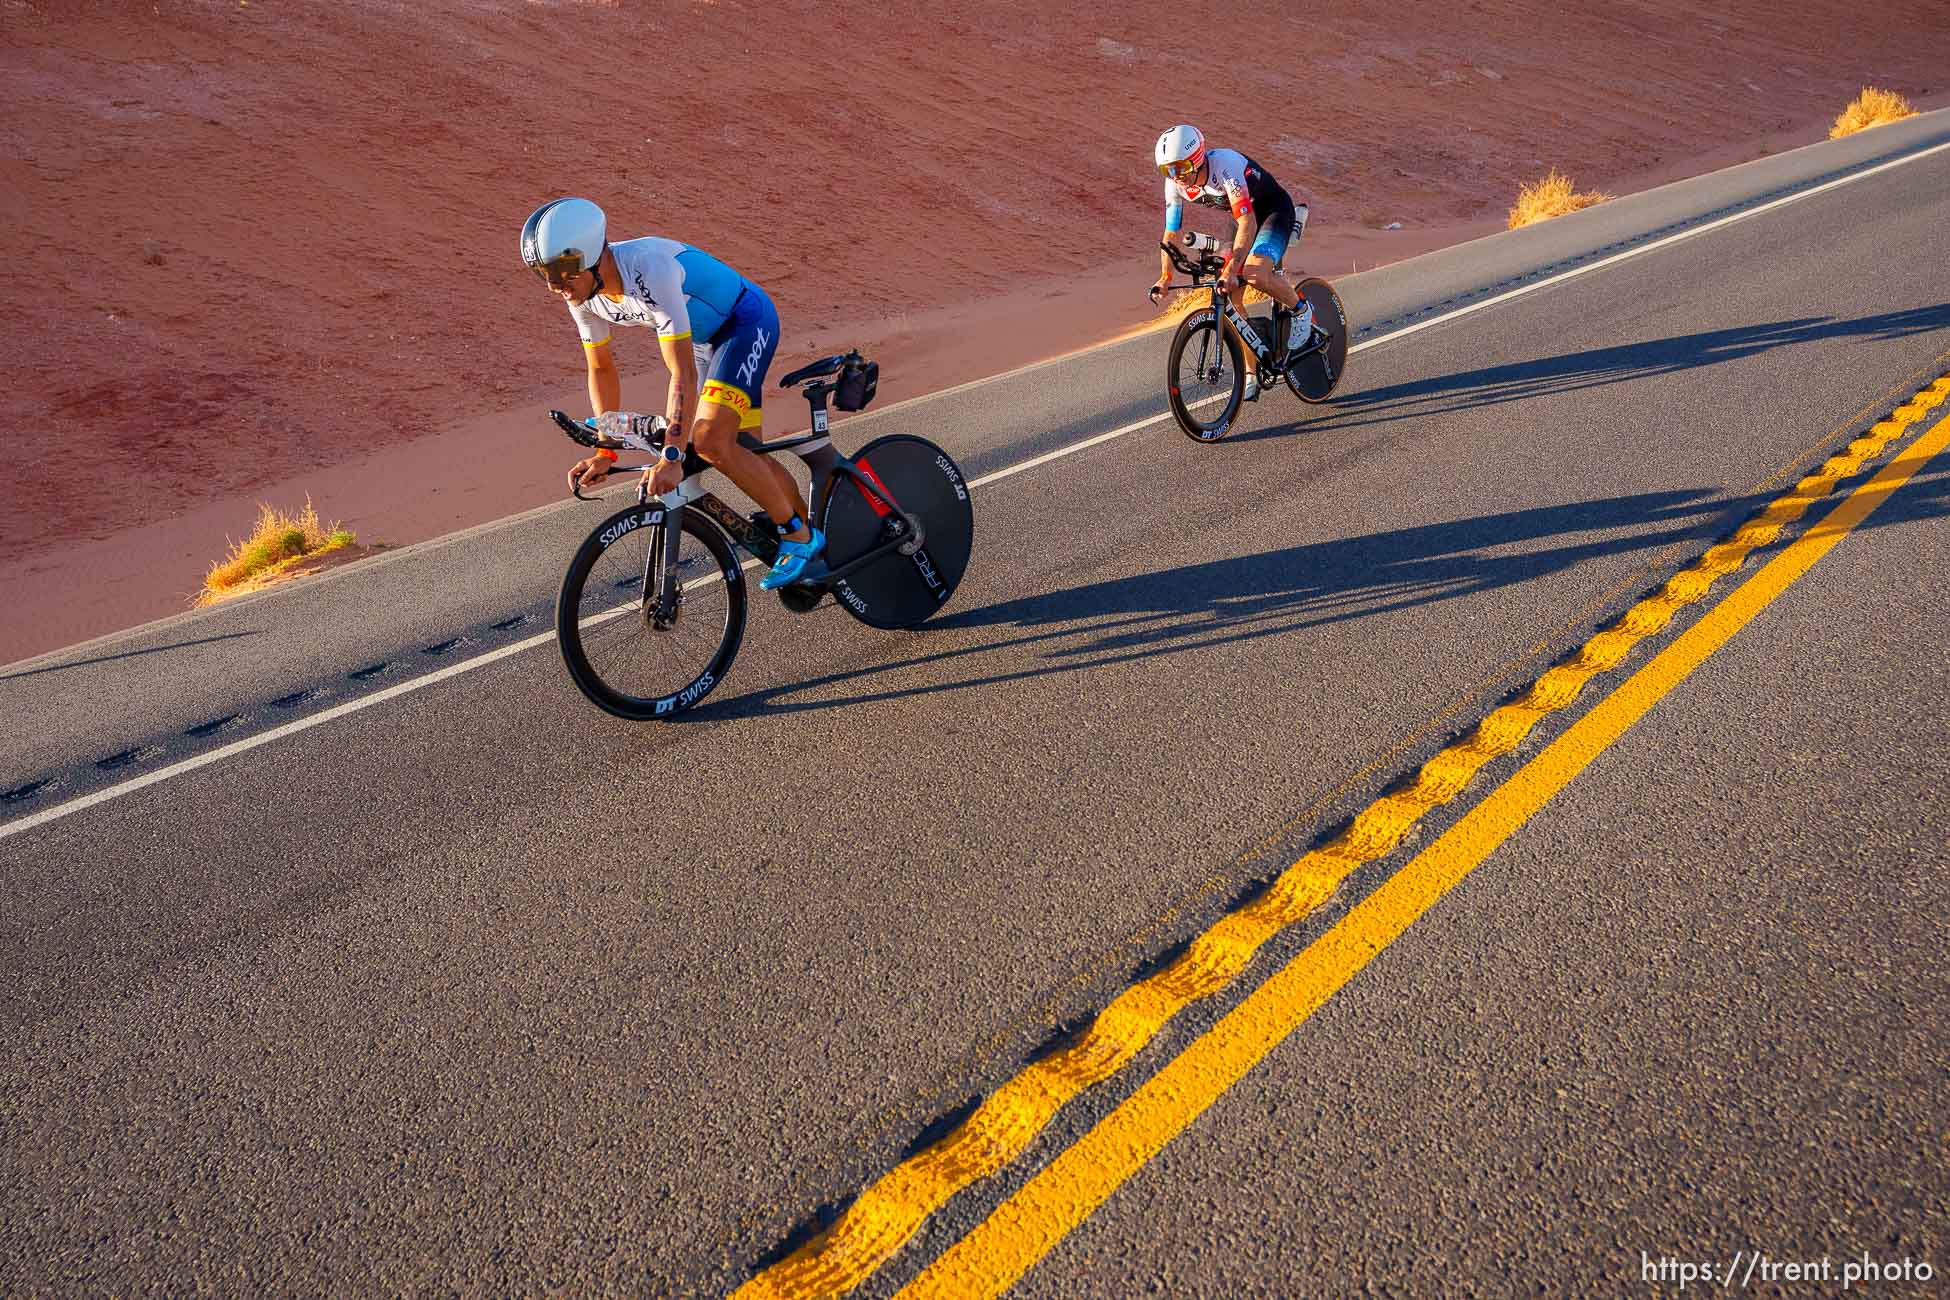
[(798, 562)]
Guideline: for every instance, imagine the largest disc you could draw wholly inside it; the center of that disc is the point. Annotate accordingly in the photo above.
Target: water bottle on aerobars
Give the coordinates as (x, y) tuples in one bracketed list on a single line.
[(632, 430), (1198, 243)]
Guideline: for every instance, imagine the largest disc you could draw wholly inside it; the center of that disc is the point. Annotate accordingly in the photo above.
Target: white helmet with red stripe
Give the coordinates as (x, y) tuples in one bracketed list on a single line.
[(1180, 151)]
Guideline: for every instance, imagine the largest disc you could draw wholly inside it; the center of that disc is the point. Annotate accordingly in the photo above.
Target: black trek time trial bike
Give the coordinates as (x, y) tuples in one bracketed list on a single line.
[(652, 608), (1205, 376)]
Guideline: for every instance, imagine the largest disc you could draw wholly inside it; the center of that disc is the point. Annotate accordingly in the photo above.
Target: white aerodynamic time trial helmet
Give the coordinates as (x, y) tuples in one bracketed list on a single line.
[(562, 239), (1180, 151)]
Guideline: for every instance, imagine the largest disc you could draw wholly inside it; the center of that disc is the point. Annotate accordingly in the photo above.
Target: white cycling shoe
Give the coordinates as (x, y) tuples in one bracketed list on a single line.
[(1252, 385)]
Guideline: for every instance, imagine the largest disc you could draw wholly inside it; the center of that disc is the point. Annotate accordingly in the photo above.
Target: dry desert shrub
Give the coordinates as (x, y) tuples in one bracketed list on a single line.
[(276, 543), (1873, 107), (1551, 197)]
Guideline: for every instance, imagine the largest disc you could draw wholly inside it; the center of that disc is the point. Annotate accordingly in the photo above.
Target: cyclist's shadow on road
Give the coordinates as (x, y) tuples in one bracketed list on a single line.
[(1200, 606), (1544, 376)]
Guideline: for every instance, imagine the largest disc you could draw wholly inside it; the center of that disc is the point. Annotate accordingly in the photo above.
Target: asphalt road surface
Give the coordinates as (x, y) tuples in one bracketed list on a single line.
[(466, 986)]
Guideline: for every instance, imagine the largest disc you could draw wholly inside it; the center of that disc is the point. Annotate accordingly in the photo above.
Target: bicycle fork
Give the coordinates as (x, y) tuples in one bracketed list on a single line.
[(662, 593)]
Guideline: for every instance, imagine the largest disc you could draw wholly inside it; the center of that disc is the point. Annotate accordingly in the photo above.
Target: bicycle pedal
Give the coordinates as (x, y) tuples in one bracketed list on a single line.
[(800, 598)]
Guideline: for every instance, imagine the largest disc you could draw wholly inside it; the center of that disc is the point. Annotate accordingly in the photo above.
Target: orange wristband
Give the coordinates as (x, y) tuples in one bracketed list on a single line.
[(606, 454)]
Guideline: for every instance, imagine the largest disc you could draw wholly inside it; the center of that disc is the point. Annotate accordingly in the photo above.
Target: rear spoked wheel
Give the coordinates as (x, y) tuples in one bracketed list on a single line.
[(1205, 377), (615, 653), (899, 590)]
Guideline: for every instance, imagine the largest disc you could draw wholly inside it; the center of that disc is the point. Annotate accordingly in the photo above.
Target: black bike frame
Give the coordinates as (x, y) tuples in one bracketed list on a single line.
[(820, 457), (1205, 272)]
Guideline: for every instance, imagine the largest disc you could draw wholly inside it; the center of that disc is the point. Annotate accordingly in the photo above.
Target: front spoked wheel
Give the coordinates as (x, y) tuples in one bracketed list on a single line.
[(617, 653), (899, 590), (1314, 377), (1205, 377)]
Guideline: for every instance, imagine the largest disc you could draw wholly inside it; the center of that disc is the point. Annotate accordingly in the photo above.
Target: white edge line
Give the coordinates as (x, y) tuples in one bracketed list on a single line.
[(276, 733), (1654, 246), (47, 815)]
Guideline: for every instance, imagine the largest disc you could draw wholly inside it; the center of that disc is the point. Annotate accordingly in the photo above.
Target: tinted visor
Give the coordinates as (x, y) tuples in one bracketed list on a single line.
[(1179, 170), (561, 272)]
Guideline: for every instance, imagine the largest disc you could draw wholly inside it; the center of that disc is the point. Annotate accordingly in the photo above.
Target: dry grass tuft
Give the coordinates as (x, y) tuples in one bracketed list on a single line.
[(1872, 107), (1551, 197), (276, 543)]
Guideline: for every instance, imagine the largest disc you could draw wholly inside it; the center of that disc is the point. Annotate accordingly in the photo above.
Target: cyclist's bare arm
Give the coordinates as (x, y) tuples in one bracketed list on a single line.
[(605, 394), (1245, 229), (605, 384), (681, 360)]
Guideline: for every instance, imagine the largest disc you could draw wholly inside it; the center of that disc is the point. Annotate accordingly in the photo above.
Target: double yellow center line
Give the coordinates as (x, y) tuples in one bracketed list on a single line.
[(1030, 1223)]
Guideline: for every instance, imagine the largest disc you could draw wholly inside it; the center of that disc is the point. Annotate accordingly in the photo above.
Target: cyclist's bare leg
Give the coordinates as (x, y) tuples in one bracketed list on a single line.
[(762, 478), (1266, 277)]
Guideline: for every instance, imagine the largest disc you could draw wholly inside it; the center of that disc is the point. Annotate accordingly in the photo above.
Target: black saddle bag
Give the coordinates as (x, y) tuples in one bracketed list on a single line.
[(856, 386)]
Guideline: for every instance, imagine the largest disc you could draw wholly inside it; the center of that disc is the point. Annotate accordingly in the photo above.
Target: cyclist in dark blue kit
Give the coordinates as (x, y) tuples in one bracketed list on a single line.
[(1265, 215)]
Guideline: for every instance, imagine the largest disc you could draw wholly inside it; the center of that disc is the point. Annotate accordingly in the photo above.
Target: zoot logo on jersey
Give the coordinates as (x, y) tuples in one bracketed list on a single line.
[(750, 368)]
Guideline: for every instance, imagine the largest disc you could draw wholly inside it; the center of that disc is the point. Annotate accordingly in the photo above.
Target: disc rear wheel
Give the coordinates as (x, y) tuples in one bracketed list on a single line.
[(899, 590)]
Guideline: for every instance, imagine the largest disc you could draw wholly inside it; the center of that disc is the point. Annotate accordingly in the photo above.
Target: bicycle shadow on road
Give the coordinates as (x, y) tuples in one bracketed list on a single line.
[(1202, 606), (1519, 381)]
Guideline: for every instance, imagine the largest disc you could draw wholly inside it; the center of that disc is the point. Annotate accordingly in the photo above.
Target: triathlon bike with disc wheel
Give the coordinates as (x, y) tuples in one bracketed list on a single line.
[(1205, 377), (652, 609)]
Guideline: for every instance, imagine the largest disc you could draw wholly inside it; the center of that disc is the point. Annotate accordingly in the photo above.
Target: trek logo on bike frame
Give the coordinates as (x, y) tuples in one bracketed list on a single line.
[(629, 524), (1245, 331)]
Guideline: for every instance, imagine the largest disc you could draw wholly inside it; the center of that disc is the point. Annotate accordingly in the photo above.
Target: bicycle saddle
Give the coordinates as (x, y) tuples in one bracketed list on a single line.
[(815, 370)]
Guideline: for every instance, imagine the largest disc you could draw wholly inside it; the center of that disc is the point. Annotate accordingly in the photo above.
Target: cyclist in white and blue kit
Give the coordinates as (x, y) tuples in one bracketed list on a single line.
[(689, 297), (1265, 217)]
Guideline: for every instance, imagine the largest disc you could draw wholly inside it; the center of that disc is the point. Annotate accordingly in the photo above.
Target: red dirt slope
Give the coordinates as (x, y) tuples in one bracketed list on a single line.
[(253, 238)]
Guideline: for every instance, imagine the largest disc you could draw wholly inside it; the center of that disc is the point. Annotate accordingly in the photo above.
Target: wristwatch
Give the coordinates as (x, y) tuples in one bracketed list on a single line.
[(672, 452)]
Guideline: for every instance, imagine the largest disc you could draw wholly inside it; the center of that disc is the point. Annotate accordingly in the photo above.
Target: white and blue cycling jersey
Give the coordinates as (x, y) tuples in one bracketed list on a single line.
[(688, 294), (681, 290)]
